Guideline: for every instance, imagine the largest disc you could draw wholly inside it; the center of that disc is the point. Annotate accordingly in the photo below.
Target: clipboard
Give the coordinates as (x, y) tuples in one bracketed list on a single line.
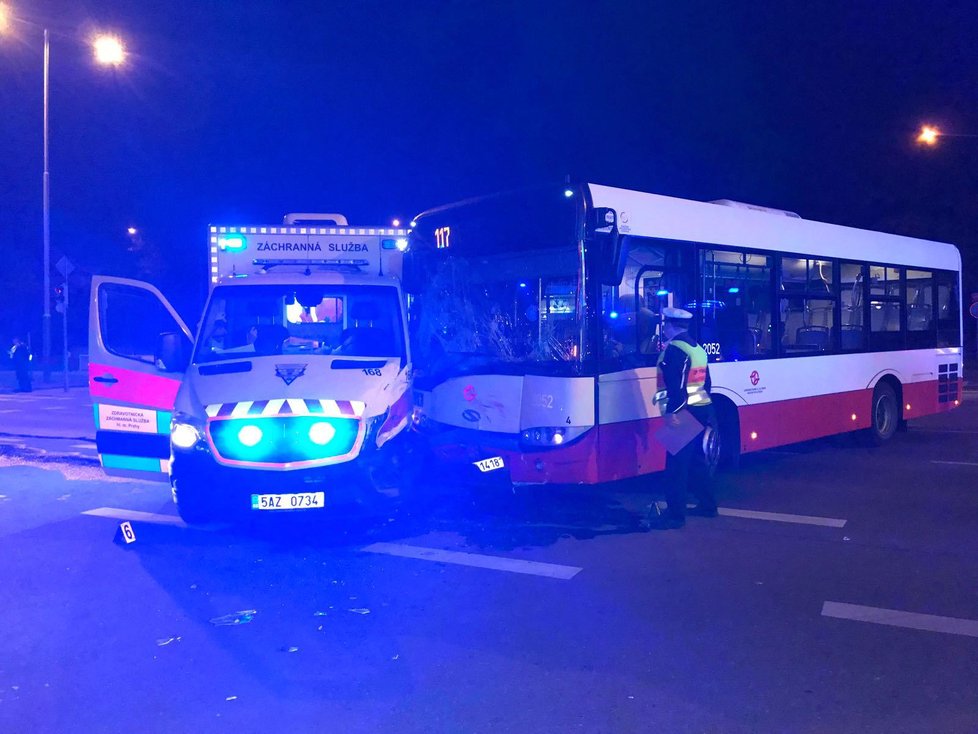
[(674, 438)]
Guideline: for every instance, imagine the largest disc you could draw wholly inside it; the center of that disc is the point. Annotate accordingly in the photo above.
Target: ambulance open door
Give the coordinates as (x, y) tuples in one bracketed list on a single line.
[(138, 349)]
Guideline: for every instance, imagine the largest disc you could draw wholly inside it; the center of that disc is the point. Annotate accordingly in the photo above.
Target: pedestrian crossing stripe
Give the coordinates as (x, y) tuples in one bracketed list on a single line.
[(286, 406)]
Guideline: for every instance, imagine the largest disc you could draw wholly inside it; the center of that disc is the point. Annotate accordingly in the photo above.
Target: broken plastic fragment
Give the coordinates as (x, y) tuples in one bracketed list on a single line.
[(231, 698), (242, 617), (319, 614), (167, 640), (360, 611), (290, 648)]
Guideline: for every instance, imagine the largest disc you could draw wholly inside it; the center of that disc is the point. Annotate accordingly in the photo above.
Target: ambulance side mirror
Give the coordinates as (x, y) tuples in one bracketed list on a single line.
[(171, 352)]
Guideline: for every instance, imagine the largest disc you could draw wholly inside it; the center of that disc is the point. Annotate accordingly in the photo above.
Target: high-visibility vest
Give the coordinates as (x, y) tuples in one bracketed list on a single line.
[(696, 393)]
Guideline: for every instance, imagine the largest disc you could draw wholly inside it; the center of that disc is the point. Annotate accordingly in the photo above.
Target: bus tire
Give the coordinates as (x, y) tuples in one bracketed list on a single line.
[(884, 416), (728, 435)]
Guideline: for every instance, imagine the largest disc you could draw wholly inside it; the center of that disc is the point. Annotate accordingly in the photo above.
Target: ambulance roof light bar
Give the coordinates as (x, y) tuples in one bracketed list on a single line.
[(347, 263), (303, 217)]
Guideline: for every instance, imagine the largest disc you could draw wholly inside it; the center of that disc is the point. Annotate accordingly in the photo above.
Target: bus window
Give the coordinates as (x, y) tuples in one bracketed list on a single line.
[(852, 281), (948, 313), (808, 295), (736, 302), (921, 330), (655, 276), (885, 308)]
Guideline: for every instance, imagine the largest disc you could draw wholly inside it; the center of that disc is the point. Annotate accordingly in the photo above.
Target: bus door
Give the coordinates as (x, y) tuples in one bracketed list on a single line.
[(656, 275), (138, 349)]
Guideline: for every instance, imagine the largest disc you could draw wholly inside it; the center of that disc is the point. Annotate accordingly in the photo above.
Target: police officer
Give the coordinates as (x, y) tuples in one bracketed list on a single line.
[(20, 355), (684, 382)]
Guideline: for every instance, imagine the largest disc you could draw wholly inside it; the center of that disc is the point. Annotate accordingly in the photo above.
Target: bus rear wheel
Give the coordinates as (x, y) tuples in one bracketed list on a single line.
[(885, 415)]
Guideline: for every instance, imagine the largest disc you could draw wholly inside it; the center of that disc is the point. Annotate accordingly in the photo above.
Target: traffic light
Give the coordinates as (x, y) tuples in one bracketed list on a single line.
[(59, 298)]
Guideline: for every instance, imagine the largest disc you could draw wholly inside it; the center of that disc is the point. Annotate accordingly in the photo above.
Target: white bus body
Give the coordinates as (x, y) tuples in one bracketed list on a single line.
[(813, 329)]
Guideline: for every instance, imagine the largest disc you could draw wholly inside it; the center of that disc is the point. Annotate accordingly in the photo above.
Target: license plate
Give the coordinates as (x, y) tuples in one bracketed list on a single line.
[(297, 501), (496, 462)]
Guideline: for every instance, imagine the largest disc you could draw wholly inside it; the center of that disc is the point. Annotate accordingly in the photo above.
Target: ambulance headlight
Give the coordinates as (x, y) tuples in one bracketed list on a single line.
[(184, 435), (551, 436), (249, 435), (321, 433)]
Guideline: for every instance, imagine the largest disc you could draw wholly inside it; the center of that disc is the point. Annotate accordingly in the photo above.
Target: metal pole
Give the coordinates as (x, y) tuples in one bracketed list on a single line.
[(64, 331), (46, 205)]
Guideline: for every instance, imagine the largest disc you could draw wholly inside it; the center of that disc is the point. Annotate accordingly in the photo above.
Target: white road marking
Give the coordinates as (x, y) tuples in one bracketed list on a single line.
[(495, 563), (89, 446), (914, 429), (896, 618), (829, 522), (956, 463), (119, 513)]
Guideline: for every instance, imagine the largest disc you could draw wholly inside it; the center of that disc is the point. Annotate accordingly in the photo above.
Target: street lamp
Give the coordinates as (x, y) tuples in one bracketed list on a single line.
[(109, 51), (928, 135)]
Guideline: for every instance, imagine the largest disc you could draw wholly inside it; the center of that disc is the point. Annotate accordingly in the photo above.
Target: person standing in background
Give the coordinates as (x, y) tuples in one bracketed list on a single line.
[(20, 355)]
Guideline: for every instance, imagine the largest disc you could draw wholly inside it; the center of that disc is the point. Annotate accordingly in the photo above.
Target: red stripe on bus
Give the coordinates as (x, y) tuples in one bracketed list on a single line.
[(620, 450)]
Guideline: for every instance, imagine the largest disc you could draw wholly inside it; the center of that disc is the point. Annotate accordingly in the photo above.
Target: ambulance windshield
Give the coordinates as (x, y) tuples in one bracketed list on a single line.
[(360, 321)]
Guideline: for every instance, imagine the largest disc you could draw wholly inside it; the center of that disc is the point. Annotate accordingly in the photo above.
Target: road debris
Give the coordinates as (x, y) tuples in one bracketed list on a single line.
[(242, 617)]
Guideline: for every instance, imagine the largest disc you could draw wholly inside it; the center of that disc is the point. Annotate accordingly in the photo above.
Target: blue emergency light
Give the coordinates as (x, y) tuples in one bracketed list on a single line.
[(400, 244), (232, 242)]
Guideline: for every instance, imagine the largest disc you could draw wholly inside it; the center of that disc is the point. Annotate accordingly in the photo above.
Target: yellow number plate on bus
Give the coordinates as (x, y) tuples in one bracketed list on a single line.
[(297, 501)]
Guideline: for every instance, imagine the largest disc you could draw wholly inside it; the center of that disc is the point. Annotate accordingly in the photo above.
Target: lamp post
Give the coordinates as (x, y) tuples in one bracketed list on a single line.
[(109, 51)]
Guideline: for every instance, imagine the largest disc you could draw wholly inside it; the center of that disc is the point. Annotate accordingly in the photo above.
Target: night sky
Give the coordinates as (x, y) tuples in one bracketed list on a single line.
[(240, 111)]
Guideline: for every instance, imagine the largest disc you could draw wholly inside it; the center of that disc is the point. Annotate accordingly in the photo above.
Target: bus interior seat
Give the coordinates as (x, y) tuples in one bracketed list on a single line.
[(813, 336)]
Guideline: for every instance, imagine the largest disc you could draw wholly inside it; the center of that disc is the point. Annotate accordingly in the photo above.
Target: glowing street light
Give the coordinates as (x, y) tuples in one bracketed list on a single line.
[(4, 18), (109, 50), (132, 231), (928, 135)]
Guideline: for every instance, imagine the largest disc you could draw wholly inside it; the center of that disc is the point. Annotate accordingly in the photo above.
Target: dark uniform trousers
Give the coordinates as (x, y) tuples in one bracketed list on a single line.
[(679, 466)]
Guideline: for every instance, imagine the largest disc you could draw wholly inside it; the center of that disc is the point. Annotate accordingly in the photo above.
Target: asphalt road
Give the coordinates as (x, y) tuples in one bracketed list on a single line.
[(851, 606)]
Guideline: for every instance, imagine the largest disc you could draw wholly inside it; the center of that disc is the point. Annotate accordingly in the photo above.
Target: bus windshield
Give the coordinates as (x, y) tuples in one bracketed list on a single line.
[(242, 321), (498, 284), (514, 309)]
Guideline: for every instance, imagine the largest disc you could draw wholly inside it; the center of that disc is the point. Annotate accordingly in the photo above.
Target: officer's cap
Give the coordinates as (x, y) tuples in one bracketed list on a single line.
[(676, 314)]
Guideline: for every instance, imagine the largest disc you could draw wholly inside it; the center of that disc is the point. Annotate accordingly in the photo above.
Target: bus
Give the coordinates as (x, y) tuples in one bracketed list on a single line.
[(536, 321)]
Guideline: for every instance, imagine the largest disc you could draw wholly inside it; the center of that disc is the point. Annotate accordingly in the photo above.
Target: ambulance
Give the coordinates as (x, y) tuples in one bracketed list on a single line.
[(295, 393)]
